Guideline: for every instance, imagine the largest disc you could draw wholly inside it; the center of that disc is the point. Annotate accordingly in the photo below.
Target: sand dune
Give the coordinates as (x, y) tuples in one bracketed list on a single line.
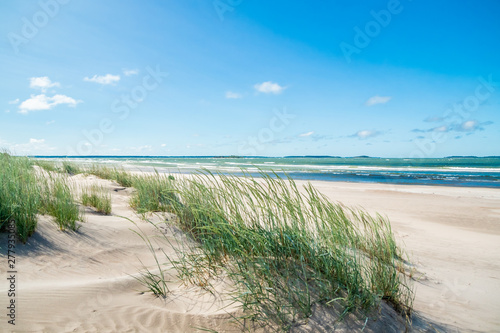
[(452, 235), (84, 281)]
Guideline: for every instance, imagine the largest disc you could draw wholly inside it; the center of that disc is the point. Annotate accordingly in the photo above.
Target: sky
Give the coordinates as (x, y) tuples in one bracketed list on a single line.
[(239, 77)]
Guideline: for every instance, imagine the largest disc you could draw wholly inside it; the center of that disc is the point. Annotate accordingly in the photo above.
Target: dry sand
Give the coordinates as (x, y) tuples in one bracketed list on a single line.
[(452, 235), (84, 281)]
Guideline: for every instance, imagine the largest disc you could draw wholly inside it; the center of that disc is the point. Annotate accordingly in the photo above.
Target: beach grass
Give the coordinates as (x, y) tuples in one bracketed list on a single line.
[(48, 166), (19, 195), (25, 192), (58, 201), (156, 281), (97, 197), (120, 176), (100, 171), (71, 168), (283, 249), (153, 193)]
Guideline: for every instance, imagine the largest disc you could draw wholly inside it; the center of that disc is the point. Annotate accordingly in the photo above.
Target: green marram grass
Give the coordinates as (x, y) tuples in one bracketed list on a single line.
[(26, 192), (58, 201), (48, 166), (97, 197), (120, 176), (71, 168), (285, 250), (153, 193), (19, 194)]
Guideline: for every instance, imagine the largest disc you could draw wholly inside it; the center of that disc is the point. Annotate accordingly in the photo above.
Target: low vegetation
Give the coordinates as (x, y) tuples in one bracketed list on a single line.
[(283, 249), (59, 202), (48, 166), (120, 176), (19, 194), (154, 193), (68, 167), (97, 197), (24, 193), (71, 168)]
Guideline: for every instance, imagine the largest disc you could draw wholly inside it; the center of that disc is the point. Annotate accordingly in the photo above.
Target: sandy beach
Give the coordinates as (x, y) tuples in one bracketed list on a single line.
[(84, 281), (452, 235)]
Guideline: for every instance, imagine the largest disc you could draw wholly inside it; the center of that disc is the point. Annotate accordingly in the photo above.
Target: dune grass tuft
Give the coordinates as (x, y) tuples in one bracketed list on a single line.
[(154, 193), (59, 202), (48, 166), (24, 193), (71, 168), (124, 178), (284, 250), (120, 176), (19, 194), (97, 197)]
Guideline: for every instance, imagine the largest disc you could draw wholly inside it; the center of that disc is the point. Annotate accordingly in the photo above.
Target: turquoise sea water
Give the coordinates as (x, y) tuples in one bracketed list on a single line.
[(452, 171)]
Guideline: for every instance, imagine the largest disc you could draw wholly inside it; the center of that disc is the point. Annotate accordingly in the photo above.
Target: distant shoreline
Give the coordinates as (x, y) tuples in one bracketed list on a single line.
[(236, 156), (456, 172)]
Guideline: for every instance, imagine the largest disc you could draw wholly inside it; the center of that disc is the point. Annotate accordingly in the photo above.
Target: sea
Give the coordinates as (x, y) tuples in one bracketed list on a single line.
[(467, 171)]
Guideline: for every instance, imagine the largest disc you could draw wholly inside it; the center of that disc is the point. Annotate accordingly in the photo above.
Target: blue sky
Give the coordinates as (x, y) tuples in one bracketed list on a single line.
[(239, 77)]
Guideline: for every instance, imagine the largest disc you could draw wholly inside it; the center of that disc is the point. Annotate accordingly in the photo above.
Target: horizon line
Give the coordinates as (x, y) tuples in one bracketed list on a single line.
[(244, 156)]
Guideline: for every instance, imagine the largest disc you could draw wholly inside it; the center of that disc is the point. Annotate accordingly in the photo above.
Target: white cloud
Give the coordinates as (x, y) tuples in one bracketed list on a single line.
[(306, 134), (43, 102), (103, 79), (14, 101), (32, 147), (365, 134), (269, 87), (50, 122), (129, 72), (7, 111), (466, 126), (42, 83), (377, 100), (440, 129), (163, 145), (469, 125), (233, 95), (36, 141)]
